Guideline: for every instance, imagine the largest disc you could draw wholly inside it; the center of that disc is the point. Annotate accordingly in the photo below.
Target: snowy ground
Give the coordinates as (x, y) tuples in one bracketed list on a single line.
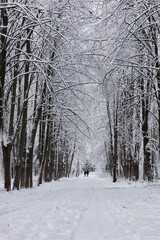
[(82, 208)]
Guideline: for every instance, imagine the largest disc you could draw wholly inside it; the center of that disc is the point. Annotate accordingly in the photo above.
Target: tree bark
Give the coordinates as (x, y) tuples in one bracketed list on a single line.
[(115, 143), (23, 133), (111, 153), (6, 147), (3, 51), (72, 157), (29, 157), (44, 156), (147, 166), (7, 166)]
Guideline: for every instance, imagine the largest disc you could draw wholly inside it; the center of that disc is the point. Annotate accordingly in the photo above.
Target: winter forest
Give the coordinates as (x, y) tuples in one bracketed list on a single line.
[(79, 91), (79, 82)]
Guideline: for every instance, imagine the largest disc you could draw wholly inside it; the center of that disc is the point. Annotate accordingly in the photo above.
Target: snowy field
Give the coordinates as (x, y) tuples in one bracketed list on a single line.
[(81, 208)]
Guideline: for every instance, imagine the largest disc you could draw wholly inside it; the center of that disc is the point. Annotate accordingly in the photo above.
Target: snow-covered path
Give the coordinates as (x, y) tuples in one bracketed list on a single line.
[(82, 208)]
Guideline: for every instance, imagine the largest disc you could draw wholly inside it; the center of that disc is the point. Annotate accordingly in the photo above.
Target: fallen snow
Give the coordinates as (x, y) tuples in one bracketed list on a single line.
[(80, 208)]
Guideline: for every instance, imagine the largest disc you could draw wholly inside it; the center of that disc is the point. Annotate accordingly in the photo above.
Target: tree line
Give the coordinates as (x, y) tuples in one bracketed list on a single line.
[(132, 90), (50, 53), (39, 90)]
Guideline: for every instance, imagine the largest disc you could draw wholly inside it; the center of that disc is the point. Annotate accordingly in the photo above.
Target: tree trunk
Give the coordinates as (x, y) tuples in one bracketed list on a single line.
[(158, 94), (72, 157), (147, 166), (3, 45), (7, 166), (115, 143), (111, 152), (29, 157), (44, 156)]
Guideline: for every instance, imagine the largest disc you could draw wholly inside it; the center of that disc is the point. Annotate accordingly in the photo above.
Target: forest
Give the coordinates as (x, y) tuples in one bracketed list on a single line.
[(79, 81)]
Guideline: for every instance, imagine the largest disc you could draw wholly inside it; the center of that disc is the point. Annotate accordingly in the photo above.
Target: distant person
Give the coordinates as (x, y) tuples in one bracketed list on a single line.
[(87, 173)]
